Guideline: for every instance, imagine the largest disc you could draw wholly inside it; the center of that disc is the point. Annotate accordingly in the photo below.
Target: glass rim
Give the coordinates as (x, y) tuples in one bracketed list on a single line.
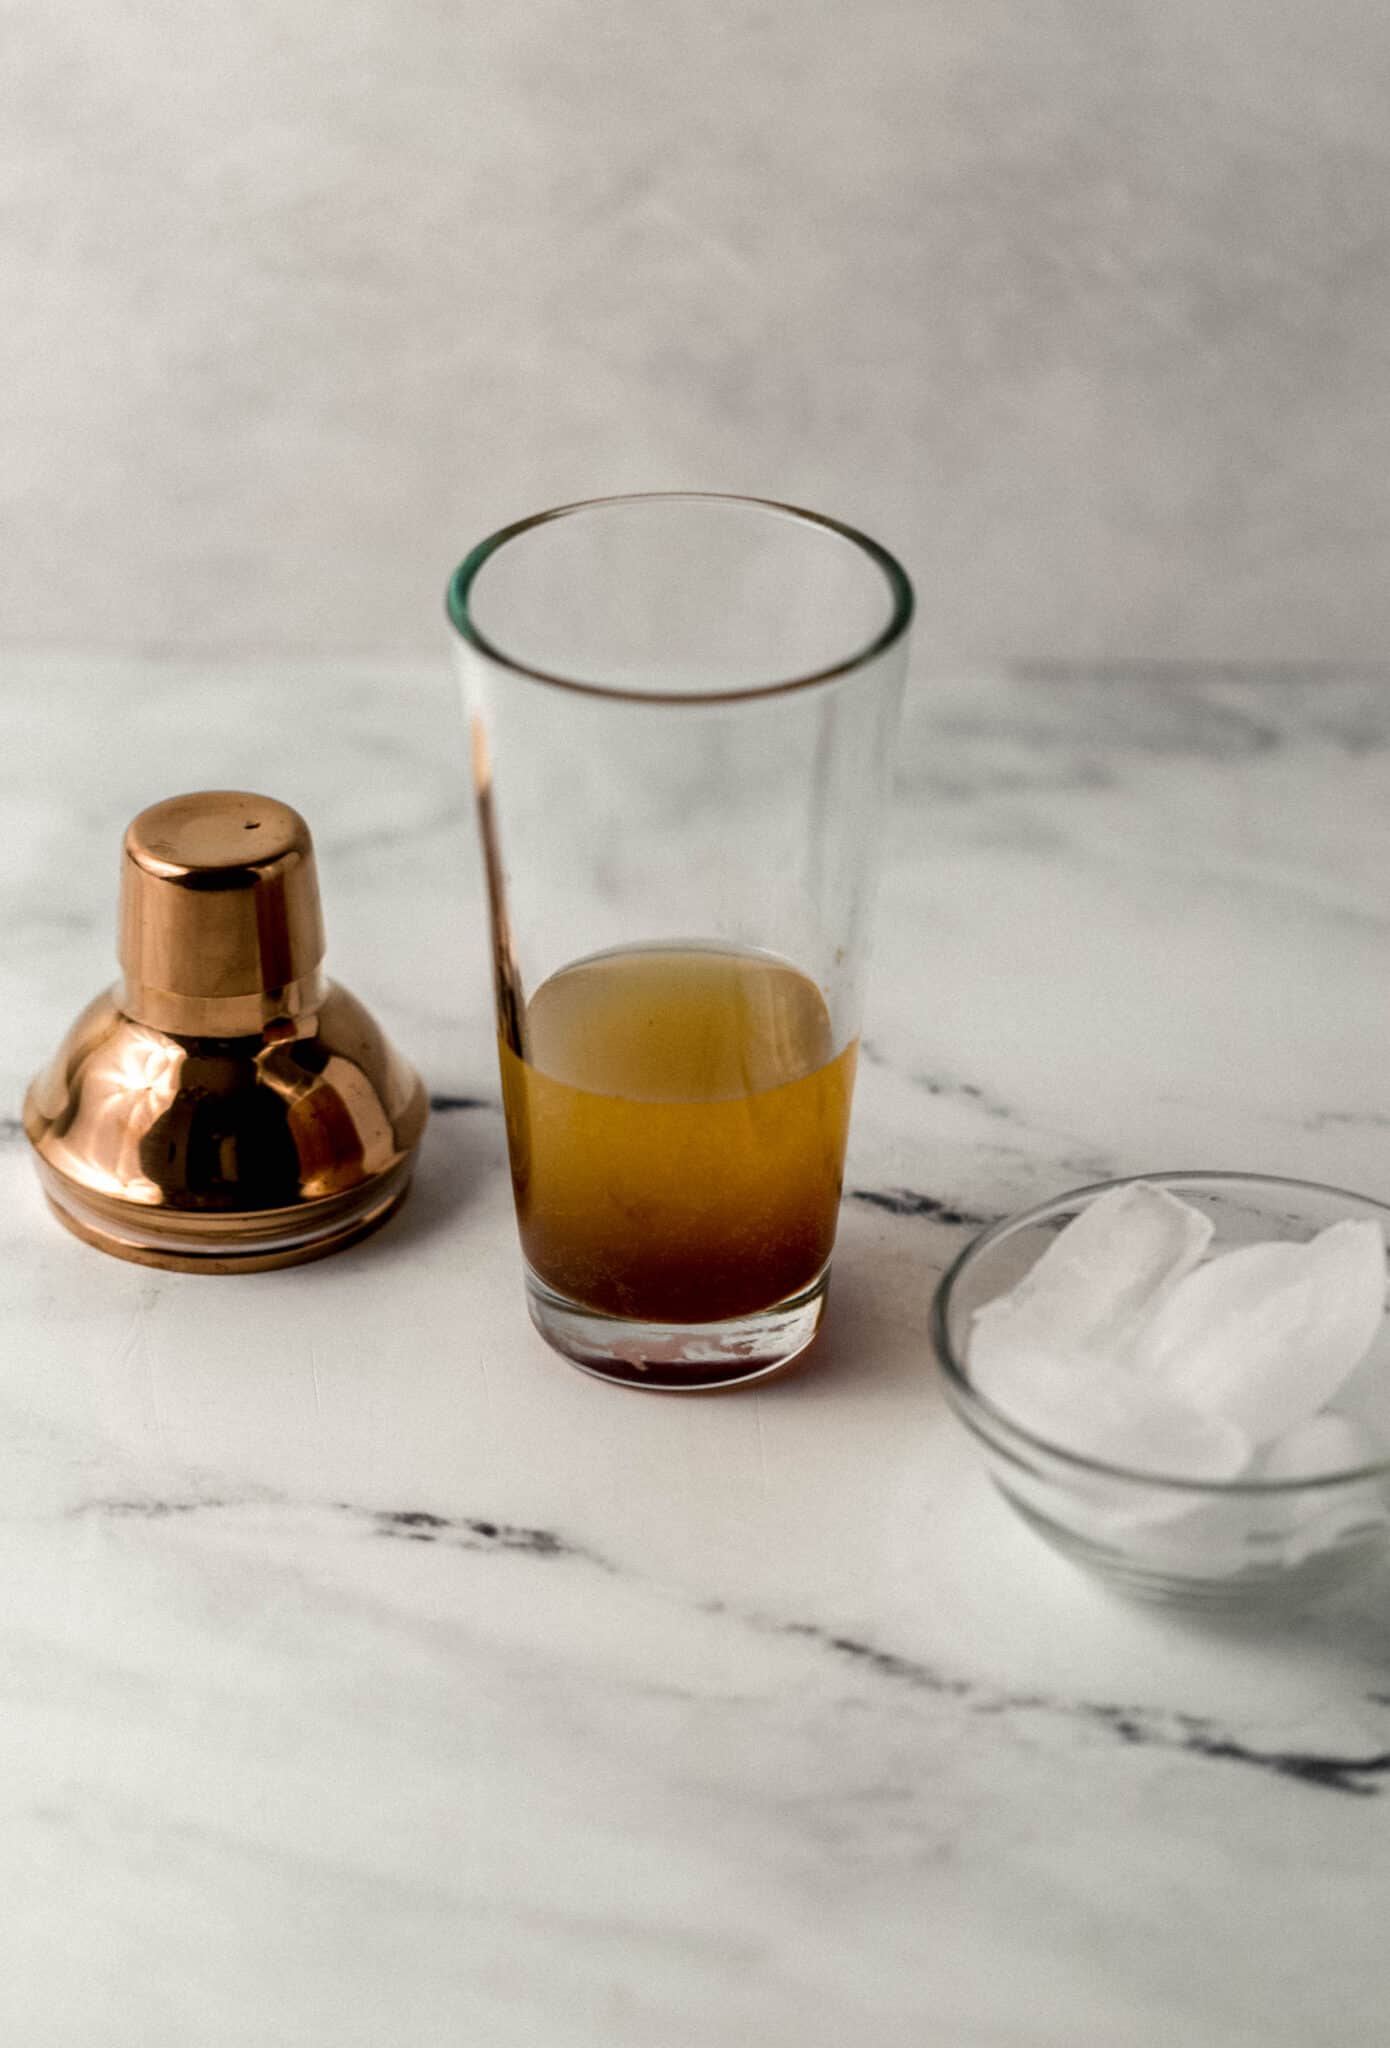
[(1003, 1433), (899, 587)]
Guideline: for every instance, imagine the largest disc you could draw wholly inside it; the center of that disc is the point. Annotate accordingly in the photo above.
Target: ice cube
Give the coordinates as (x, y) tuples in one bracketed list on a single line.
[(1320, 1447), (1097, 1274), (1313, 1518), (1366, 1394), (1266, 1335), (1081, 1405)]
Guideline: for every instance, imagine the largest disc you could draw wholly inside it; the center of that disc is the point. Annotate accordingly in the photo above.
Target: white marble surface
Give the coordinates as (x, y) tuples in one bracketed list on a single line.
[(367, 1676)]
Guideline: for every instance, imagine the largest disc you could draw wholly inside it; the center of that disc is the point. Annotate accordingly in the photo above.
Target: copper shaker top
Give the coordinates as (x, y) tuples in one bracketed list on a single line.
[(225, 1107), (220, 928)]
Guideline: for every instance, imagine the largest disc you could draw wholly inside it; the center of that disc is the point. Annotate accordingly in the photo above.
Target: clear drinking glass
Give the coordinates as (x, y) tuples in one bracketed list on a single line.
[(682, 708)]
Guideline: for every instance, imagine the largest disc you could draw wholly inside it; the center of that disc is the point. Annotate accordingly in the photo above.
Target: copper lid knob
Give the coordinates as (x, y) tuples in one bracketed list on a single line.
[(226, 1106), (220, 922)]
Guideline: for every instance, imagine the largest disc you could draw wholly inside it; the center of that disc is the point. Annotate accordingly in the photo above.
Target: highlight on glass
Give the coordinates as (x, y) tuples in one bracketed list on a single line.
[(681, 709)]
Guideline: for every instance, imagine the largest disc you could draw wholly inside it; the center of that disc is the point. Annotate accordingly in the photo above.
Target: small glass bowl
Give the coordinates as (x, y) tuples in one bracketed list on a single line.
[(1167, 1538)]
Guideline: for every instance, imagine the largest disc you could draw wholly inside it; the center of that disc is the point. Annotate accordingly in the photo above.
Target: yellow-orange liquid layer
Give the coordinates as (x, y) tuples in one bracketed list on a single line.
[(677, 1130)]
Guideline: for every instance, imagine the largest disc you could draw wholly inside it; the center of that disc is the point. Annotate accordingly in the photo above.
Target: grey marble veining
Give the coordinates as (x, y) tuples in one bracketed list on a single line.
[(368, 1675)]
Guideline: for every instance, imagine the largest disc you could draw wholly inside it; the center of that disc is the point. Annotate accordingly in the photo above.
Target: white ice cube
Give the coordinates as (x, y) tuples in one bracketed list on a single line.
[(1266, 1335), (1315, 1518), (1318, 1448), (1366, 1394), (1097, 1274), (1104, 1412)]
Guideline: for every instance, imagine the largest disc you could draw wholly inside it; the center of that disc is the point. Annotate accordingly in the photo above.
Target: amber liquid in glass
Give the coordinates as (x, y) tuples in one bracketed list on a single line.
[(677, 1119)]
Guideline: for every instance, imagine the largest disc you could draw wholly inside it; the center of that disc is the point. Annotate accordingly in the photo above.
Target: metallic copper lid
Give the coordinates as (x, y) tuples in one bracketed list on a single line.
[(225, 1107), (220, 920)]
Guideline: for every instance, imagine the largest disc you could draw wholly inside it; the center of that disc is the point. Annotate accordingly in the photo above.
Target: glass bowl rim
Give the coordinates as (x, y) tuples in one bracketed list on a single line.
[(900, 592), (1003, 1434)]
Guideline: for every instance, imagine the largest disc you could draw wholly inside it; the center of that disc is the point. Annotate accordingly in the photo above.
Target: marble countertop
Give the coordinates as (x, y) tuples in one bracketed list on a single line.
[(369, 1676)]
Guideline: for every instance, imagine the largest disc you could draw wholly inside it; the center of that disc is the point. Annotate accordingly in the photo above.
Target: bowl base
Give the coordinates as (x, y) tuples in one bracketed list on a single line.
[(1266, 1584)]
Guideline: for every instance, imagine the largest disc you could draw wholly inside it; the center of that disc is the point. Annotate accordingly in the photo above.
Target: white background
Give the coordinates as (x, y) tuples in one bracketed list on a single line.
[(1082, 307)]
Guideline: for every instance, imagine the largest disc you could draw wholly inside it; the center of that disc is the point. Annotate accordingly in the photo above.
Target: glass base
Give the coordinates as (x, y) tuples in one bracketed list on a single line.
[(678, 1358)]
